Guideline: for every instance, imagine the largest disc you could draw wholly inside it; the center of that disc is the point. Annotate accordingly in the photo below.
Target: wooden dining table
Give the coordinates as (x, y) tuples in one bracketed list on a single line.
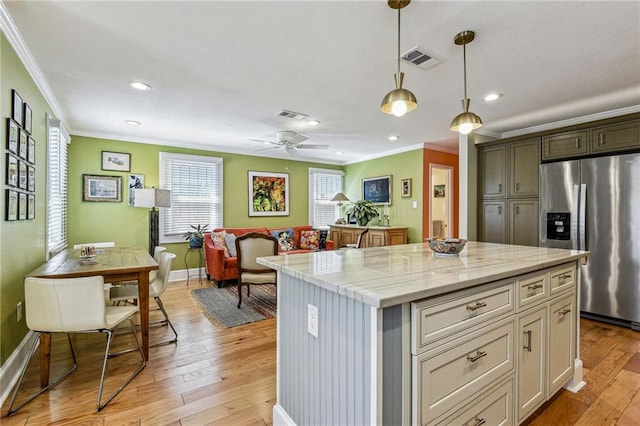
[(115, 264)]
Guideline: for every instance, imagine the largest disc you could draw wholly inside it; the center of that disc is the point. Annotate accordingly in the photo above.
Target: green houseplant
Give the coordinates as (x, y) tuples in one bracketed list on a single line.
[(363, 211), (196, 237)]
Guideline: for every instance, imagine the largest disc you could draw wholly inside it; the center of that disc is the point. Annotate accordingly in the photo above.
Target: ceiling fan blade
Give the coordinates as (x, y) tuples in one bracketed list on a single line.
[(265, 142), (298, 138), (312, 146), (265, 149)]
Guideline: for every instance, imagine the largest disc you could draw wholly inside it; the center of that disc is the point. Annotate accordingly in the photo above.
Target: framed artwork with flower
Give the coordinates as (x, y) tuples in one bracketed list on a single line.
[(268, 194)]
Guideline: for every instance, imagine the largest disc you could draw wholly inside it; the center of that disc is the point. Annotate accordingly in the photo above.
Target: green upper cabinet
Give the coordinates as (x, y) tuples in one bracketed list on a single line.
[(619, 137), (524, 161), (493, 172), (565, 145)]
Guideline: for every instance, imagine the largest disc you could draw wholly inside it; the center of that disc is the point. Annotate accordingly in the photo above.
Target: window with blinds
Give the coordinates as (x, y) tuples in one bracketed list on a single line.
[(324, 184), (195, 183), (57, 141)]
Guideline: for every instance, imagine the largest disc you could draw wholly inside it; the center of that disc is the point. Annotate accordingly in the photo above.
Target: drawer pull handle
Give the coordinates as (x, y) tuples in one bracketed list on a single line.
[(517, 186), (477, 306), (499, 187), (479, 354), (528, 345), (601, 139), (478, 422), (565, 276), (565, 311), (578, 143), (534, 287), (499, 210)]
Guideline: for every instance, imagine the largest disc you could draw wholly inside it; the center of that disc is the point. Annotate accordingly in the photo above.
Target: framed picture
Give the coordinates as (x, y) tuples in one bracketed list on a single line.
[(12, 205), (31, 150), (23, 144), (12, 170), (13, 133), (26, 116), (22, 175), (102, 188), (405, 186), (22, 206), (377, 190), (118, 161), (31, 206), (268, 194), (16, 107), (135, 182), (31, 179), (438, 191)]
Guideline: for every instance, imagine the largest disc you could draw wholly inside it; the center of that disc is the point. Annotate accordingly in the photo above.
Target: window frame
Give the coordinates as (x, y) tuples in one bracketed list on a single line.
[(313, 172)]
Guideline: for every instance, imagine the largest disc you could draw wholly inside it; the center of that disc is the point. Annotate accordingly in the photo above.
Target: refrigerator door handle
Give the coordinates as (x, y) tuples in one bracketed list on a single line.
[(575, 212), (582, 225)]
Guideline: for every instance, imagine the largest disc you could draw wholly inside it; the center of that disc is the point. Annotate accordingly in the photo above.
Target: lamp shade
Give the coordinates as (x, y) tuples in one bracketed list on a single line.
[(399, 101), (466, 122), (152, 197), (340, 197)]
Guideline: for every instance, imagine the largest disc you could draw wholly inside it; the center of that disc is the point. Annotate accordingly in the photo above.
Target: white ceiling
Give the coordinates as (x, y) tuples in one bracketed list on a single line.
[(222, 71)]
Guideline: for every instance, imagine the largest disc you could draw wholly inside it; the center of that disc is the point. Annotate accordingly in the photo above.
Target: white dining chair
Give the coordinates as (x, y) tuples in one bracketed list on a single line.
[(73, 305)]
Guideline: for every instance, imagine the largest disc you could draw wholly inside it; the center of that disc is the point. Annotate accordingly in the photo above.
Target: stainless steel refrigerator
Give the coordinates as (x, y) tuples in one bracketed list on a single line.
[(594, 204)]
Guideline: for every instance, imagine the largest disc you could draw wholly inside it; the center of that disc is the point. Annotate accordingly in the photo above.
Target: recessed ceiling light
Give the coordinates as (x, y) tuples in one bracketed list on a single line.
[(313, 122), (492, 97), (339, 152), (394, 138), (139, 85), (133, 123)]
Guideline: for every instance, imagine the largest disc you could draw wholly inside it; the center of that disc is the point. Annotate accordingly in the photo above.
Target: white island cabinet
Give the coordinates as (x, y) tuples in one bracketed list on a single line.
[(395, 335)]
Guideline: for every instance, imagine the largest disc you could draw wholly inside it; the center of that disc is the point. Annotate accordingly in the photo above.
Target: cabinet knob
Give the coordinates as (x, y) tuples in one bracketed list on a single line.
[(479, 354), (499, 209)]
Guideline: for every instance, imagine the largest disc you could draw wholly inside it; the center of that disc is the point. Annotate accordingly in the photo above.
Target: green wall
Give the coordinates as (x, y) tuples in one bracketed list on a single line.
[(400, 166), (22, 243), (106, 221)]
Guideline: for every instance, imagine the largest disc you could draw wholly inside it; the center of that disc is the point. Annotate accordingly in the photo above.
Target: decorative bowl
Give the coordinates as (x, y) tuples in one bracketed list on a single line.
[(446, 246)]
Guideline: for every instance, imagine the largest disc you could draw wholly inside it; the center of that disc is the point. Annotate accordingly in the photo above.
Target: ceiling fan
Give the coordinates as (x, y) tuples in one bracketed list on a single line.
[(290, 141)]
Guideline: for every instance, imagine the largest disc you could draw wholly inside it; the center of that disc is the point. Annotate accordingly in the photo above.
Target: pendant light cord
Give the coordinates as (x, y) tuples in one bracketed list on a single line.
[(399, 42), (464, 61)]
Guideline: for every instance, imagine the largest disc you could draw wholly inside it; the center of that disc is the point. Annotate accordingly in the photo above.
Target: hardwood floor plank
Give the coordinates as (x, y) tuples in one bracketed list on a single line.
[(609, 406)]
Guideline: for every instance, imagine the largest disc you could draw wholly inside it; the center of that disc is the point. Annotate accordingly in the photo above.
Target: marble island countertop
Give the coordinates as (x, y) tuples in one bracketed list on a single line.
[(391, 275)]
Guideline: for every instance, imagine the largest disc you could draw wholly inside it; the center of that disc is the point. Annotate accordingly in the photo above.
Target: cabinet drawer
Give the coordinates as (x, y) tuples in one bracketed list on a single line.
[(448, 376), (438, 318), (532, 289), (617, 137), (495, 407), (562, 327), (572, 144), (562, 279)]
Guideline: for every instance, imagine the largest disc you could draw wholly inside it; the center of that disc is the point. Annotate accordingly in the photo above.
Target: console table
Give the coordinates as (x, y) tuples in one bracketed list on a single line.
[(377, 236)]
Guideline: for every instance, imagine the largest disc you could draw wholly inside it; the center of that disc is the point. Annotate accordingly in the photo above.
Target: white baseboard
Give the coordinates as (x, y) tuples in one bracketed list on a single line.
[(10, 370), (181, 275), (281, 418)]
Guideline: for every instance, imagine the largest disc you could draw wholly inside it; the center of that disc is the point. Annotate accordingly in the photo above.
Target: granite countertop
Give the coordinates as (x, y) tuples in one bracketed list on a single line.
[(391, 275)]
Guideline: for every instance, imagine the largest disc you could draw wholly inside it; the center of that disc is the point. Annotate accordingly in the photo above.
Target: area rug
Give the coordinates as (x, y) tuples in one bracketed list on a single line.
[(220, 304)]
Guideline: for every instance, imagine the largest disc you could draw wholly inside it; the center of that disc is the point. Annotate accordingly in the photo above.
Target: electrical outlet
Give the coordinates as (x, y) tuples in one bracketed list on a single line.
[(415, 204), (312, 320), (19, 311)]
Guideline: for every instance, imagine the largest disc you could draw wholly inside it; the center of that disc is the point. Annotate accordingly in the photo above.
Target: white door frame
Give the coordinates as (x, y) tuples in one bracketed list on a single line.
[(449, 197)]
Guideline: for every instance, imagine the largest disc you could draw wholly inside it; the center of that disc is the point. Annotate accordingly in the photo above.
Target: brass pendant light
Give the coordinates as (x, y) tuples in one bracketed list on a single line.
[(399, 101), (466, 121)]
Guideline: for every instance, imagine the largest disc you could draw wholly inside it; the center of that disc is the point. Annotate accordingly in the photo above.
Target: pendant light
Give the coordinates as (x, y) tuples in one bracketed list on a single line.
[(398, 101), (466, 121)]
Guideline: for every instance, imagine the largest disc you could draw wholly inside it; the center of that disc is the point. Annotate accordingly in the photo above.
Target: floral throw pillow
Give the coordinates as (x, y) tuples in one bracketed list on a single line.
[(286, 239), (218, 241), (310, 240)]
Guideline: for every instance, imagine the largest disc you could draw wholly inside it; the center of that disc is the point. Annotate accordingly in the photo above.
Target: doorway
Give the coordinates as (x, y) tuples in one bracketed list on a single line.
[(441, 202)]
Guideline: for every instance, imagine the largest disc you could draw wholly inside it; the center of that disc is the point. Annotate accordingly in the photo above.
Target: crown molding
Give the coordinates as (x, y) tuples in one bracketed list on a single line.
[(386, 153)]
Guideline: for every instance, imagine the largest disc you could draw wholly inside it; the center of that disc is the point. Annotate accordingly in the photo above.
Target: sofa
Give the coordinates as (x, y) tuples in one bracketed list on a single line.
[(221, 263)]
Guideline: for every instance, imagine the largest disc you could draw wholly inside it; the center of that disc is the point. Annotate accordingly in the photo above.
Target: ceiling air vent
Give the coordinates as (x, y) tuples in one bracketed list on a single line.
[(420, 58), (291, 114)]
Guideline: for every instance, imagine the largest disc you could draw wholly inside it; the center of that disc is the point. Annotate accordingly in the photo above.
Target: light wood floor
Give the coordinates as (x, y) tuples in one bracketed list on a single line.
[(227, 377)]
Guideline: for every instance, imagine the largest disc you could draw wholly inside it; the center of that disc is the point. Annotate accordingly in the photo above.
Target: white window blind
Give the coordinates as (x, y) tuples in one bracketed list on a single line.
[(324, 184), (195, 183), (57, 141)]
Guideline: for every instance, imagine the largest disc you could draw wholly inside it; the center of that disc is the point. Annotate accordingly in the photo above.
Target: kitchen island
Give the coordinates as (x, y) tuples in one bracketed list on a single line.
[(396, 335)]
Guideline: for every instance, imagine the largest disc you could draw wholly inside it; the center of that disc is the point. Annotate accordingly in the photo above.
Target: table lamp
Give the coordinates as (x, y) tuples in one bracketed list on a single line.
[(153, 197), (340, 197)]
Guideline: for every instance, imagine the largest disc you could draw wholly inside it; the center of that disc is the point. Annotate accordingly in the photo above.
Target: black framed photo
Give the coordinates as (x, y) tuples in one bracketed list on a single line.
[(12, 170), (405, 185), (31, 206), (16, 106), (26, 117), (23, 144), (22, 175), (12, 204), (31, 150), (118, 161), (377, 190), (102, 188), (13, 133), (136, 181), (22, 206), (31, 179)]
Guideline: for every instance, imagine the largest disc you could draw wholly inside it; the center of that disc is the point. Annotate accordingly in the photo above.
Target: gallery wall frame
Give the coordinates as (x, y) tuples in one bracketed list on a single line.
[(23, 144), (136, 181), (16, 106), (116, 161), (12, 205), (102, 188), (12, 170), (31, 150), (31, 206), (22, 206), (13, 134), (405, 188), (377, 189), (268, 194), (26, 117)]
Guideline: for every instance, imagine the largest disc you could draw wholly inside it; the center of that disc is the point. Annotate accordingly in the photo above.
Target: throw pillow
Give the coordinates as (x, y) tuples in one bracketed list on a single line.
[(286, 239), (323, 233), (310, 240), (230, 239), (218, 241)]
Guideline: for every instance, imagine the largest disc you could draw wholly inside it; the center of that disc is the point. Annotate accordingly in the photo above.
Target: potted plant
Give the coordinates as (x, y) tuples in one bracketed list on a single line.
[(363, 211), (196, 237)]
